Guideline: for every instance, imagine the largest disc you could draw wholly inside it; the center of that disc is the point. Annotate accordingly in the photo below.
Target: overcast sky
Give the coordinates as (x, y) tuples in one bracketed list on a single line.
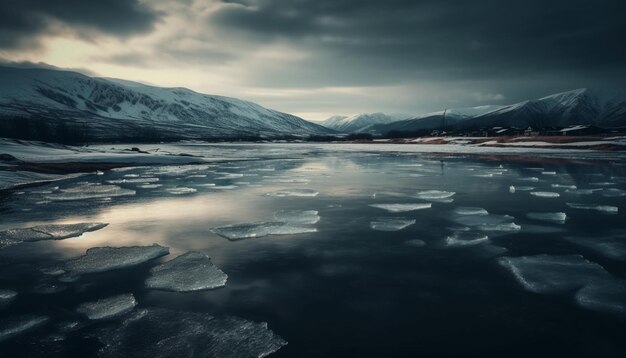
[(317, 58)]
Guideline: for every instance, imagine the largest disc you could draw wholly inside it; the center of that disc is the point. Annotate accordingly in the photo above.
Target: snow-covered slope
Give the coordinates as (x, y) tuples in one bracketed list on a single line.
[(117, 109), (581, 106), (359, 122)]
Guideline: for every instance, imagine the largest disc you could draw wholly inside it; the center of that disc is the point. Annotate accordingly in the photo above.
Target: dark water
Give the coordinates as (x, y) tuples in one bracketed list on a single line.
[(345, 290)]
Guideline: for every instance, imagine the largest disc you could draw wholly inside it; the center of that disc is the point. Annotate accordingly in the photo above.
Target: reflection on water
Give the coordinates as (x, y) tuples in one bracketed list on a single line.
[(434, 287)]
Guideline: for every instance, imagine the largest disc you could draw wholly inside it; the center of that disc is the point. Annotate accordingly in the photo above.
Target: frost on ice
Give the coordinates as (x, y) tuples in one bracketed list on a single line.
[(391, 224), (604, 296), (248, 231), (400, 208), (558, 217), (192, 271), (108, 307), (46, 232), (14, 326), (547, 274), (304, 217), (100, 259), (165, 333)]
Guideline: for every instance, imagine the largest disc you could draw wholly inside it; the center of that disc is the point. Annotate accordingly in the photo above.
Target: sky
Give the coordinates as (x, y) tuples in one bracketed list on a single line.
[(318, 58)]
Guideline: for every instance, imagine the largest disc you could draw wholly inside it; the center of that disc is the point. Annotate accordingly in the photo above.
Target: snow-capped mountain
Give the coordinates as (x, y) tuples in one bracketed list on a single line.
[(116, 109), (359, 122), (577, 107)]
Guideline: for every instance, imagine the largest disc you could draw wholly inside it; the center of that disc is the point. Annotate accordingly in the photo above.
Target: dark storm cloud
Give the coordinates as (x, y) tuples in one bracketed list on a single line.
[(364, 42), (23, 21)]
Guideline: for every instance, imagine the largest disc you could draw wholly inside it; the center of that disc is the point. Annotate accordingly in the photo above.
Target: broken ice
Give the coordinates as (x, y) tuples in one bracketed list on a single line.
[(545, 194), (295, 192), (89, 191), (247, 231), (304, 217), (464, 238), (159, 332), (604, 296), (461, 210), (100, 259), (14, 326), (108, 307), (558, 217), (399, 208), (390, 224), (547, 274), (192, 271), (602, 208), (46, 232), (434, 194)]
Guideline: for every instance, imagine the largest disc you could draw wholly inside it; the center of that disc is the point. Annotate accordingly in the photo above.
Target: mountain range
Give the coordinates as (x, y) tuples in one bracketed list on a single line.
[(577, 107), (40, 101)]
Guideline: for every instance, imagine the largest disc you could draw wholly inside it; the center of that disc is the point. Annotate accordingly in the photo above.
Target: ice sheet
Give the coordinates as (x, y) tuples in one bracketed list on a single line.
[(558, 217), (100, 259), (164, 333), (391, 224), (302, 217), (108, 307), (547, 274), (607, 296), (248, 231), (609, 209), (192, 271), (400, 208)]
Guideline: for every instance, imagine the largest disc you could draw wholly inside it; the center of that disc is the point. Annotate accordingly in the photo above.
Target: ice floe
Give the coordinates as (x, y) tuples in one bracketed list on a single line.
[(531, 179), (192, 271), (466, 238), (490, 223), (612, 245), (295, 192), (248, 231), (101, 259), (581, 191), (558, 217), (607, 296), (108, 307), (400, 208), (145, 180), (46, 232), (391, 224), (165, 333), (434, 194), (89, 191), (613, 193), (7, 296), (16, 325), (564, 186), (463, 210), (548, 274), (180, 190), (602, 208), (545, 194), (303, 217)]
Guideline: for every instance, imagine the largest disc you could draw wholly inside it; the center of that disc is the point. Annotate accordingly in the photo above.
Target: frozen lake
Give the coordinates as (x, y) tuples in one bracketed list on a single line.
[(343, 250)]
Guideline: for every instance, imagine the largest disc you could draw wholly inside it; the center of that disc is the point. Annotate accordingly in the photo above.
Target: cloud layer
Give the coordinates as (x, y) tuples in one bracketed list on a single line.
[(325, 56)]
